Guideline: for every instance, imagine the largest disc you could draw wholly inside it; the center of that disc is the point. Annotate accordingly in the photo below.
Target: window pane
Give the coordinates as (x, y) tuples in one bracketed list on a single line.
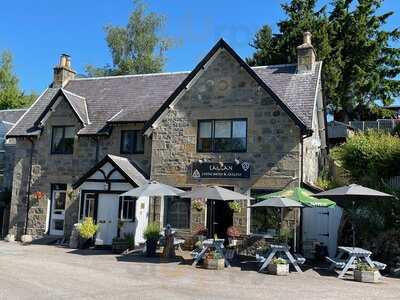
[(139, 141), (205, 129), (57, 139), (89, 205), (128, 208), (222, 129), (263, 218), (126, 141), (223, 145), (177, 212), (239, 129), (69, 132), (59, 200)]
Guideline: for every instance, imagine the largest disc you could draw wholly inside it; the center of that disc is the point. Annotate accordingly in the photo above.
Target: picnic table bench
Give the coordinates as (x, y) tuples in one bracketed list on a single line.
[(217, 244), (295, 259), (354, 254)]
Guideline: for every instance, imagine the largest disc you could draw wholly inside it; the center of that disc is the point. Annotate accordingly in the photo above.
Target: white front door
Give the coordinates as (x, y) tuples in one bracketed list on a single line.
[(57, 212), (107, 218)]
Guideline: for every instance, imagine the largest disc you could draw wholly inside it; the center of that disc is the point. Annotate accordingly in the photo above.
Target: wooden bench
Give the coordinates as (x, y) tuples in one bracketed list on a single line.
[(341, 263), (299, 258)]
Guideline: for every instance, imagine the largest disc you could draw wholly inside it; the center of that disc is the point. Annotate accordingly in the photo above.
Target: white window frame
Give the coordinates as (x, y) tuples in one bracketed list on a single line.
[(85, 203), (131, 205)]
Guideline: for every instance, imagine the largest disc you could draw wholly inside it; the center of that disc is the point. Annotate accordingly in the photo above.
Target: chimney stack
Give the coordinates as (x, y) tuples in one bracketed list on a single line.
[(63, 72), (305, 55)]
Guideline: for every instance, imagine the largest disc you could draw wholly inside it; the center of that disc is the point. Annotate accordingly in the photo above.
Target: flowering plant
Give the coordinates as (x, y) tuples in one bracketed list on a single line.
[(235, 206), (200, 230), (198, 204), (232, 232), (38, 195)]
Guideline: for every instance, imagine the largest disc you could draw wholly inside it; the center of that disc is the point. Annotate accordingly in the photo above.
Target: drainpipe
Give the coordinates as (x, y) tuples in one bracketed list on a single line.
[(29, 185)]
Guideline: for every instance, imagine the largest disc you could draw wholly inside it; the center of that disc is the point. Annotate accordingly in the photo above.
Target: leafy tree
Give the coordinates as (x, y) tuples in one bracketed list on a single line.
[(136, 48), (359, 64), (10, 94)]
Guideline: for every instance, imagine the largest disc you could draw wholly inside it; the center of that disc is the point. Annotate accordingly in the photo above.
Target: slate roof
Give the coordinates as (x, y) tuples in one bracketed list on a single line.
[(11, 115), (138, 98), (297, 91)]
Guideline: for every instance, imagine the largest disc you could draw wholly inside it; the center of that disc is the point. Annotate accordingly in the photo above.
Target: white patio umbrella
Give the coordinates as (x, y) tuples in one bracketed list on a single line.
[(215, 193), (153, 189), (280, 202), (347, 195)]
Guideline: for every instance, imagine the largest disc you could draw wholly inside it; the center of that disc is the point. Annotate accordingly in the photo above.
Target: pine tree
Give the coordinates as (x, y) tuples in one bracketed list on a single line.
[(359, 64)]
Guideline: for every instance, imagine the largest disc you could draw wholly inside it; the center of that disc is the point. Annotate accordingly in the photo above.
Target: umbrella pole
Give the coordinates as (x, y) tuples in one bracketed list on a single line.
[(352, 227)]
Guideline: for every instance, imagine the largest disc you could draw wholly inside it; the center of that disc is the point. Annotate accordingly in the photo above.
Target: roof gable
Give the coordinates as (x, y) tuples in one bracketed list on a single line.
[(204, 63), (75, 102), (128, 169)]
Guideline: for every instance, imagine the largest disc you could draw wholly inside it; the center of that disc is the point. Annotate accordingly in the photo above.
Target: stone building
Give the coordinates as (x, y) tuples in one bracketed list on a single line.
[(86, 140)]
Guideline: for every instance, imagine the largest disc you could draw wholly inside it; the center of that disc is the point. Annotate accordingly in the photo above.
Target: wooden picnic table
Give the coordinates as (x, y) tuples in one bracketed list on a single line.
[(217, 244), (354, 253), (279, 248)]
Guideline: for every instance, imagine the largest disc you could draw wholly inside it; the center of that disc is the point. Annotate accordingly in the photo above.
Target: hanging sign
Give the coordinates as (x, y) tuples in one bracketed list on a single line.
[(217, 170)]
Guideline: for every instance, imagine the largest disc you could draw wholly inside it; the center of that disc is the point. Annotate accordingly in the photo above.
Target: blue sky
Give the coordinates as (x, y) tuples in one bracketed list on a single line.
[(37, 31)]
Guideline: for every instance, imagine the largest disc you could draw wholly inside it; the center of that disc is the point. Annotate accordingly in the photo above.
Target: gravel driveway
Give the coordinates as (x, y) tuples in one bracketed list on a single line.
[(50, 272)]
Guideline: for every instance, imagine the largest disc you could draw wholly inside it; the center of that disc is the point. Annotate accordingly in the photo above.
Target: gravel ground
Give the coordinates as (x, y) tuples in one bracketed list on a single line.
[(51, 272)]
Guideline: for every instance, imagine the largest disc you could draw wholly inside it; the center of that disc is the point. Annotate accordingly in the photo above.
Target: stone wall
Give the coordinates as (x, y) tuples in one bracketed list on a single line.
[(50, 168), (225, 91)]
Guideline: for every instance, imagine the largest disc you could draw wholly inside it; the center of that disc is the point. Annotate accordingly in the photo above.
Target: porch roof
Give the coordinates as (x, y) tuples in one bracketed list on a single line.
[(128, 169)]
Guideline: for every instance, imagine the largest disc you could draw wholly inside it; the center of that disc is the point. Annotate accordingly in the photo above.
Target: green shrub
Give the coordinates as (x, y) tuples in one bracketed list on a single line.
[(279, 261), (370, 157), (152, 231), (87, 229), (362, 266)]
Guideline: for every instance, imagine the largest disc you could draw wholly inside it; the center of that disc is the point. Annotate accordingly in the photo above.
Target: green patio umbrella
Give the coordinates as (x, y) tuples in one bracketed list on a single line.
[(301, 195)]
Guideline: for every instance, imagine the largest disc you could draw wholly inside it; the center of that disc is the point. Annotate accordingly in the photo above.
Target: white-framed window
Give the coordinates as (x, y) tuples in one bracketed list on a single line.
[(128, 209), (88, 205)]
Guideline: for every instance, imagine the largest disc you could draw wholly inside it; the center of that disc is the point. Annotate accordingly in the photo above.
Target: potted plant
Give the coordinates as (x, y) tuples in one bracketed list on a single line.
[(279, 266), (151, 235), (235, 206), (87, 230), (214, 261), (233, 233), (200, 232), (365, 273), (198, 204)]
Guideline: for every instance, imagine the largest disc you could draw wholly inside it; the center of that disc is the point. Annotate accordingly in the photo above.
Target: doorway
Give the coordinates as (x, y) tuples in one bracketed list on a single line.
[(107, 218), (57, 216), (219, 218)]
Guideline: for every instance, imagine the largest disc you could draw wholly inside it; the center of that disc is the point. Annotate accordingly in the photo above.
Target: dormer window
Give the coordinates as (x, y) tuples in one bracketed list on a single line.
[(62, 140)]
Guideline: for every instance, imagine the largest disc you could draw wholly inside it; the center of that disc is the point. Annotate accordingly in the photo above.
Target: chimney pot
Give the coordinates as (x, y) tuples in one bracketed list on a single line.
[(305, 55), (63, 72), (307, 37)]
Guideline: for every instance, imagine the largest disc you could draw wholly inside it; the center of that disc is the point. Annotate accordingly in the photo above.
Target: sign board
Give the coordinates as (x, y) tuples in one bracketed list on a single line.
[(217, 170)]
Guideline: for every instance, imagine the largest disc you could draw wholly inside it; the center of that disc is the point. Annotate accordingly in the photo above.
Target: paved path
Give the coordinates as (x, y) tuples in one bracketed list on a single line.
[(49, 272)]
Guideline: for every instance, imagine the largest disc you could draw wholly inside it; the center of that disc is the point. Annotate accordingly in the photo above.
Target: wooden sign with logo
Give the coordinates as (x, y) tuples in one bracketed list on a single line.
[(217, 170)]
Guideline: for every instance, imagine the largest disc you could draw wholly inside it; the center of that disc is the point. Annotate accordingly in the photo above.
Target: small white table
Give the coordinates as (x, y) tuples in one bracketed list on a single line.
[(218, 244), (280, 248), (353, 254)]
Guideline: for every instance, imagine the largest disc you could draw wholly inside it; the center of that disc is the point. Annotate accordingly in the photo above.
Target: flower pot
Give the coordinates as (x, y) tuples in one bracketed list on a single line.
[(214, 264), (85, 243), (366, 276), (280, 269), (151, 247)]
